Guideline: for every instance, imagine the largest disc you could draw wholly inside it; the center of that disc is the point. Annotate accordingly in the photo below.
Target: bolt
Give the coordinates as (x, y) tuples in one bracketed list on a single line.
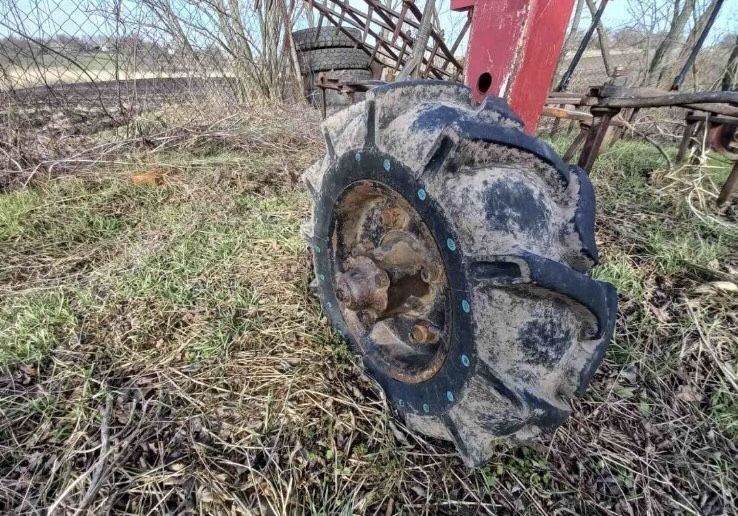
[(361, 249), (366, 317), (382, 280), (424, 333), (387, 217), (341, 294), (392, 218), (429, 273), (425, 275)]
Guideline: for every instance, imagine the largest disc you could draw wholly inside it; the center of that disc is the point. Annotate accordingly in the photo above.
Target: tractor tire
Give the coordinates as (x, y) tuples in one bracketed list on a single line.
[(452, 251), (326, 59), (324, 37)]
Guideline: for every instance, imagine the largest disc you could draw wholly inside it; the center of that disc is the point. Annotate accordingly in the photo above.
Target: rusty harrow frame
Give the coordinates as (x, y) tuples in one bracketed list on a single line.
[(387, 35)]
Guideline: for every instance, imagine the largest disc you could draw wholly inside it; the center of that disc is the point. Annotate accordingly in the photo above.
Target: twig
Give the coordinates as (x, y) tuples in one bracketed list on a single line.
[(99, 467), (10, 158), (729, 375), (648, 139)]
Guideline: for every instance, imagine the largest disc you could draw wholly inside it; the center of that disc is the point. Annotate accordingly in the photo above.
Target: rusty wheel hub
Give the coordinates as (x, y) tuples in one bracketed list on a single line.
[(390, 282)]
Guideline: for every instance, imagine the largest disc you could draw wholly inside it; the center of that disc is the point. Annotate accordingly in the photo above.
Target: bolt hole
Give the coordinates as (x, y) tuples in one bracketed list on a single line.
[(484, 82)]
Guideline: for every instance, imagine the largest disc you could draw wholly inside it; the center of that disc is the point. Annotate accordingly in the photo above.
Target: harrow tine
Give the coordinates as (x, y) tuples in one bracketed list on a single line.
[(369, 14), (400, 21), (456, 44), (430, 66)]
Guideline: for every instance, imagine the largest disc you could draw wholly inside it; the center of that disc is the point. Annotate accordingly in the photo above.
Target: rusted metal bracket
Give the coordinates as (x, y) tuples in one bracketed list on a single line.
[(729, 187), (602, 116), (349, 88)]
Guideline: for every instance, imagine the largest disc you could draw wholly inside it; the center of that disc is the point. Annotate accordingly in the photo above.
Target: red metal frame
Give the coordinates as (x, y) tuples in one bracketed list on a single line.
[(514, 46)]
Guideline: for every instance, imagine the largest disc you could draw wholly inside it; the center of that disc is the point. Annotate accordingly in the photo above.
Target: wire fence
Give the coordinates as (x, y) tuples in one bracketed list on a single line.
[(114, 58), (106, 61)]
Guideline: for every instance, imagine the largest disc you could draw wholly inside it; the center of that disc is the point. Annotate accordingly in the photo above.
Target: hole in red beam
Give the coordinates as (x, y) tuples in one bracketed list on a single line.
[(484, 82)]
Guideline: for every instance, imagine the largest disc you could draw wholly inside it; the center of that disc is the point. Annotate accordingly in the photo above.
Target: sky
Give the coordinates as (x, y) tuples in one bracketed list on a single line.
[(70, 15)]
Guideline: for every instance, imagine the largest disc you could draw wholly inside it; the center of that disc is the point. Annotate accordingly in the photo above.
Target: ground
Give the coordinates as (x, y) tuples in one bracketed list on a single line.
[(160, 351)]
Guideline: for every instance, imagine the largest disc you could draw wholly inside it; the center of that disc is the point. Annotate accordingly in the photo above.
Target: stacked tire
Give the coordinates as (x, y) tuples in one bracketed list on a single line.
[(331, 52)]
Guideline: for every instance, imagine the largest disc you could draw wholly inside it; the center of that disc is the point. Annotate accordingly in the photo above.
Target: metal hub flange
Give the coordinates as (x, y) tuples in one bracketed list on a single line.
[(390, 282), (448, 337)]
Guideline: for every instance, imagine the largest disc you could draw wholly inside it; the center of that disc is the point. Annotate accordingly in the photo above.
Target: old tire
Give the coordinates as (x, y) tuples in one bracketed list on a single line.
[(324, 37), (325, 59), (523, 326)]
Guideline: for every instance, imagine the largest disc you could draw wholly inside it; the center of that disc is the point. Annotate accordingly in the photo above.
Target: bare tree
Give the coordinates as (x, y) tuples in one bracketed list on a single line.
[(664, 54), (602, 37), (702, 15), (569, 42), (254, 35), (574, 25), (730, 77)]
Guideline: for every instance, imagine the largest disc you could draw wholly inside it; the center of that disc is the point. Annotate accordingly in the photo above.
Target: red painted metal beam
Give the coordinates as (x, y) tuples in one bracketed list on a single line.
[(514, 46)]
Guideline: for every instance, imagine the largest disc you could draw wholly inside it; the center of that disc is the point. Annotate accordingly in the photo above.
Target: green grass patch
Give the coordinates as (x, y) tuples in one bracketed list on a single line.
[(676, 254), (32, 324), (71, 211), (177, 259), (631, 157), (620, 270), (724, 407), (14, 210)]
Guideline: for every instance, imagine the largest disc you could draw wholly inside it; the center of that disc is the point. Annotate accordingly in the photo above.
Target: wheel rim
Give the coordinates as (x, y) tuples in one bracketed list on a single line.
[(390, 282)]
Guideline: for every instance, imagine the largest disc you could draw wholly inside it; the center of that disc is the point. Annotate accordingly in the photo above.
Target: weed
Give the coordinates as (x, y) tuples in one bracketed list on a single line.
[(620, 270), (32, 324)]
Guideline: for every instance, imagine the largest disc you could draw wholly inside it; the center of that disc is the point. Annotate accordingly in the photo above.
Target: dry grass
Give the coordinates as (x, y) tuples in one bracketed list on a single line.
[(160, 352), (41, 143)]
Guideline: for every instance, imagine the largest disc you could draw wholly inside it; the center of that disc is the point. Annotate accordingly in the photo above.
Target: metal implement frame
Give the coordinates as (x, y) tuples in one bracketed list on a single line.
[(607, 101), (514, 47), (386, 35), (719, 110)]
